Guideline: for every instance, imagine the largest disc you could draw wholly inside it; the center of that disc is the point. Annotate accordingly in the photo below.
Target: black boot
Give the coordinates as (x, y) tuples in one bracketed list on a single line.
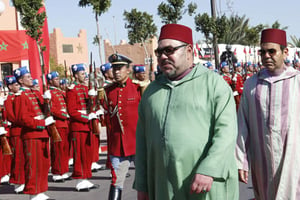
[(114, 193)]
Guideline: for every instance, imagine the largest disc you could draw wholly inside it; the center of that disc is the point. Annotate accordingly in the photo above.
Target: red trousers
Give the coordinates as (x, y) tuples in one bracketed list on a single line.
[(83, 154), (37, 164), (17, 173), (96, 144), (5, 163), (60, 153)]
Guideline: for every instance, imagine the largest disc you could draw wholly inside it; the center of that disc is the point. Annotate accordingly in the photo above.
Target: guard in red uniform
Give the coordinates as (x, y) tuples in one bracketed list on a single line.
[(28, 113), (123, 97), (59, 150), (4, 172), (5, 159), (250, 70), (238, 82), (106, 70), (77, 98), (226, 73), (17, 174)]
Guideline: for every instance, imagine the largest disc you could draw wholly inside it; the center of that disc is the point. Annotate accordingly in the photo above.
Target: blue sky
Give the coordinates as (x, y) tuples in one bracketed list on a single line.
[(66, 15)]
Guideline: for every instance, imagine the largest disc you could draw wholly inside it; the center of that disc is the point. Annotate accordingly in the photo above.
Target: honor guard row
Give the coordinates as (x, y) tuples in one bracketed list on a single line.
[(48, 130)]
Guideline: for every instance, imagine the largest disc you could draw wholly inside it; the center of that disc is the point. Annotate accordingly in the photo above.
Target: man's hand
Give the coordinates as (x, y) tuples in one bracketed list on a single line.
[(142, 196), (201, 183), (243, 176)]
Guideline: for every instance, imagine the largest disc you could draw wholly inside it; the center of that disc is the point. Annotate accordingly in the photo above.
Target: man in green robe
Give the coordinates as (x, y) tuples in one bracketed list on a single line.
[(186, 132)]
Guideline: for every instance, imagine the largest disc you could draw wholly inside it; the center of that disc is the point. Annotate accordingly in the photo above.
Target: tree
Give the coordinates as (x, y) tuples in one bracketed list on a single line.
[(99, 7), (295, 41), (232, 30), (277, 25), (206, 25), (140, 26), (32, 20), (173, 11)]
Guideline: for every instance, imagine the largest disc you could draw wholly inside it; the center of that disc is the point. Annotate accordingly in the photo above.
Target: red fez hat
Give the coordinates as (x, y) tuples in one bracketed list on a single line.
[(273, 35), (176, 32)]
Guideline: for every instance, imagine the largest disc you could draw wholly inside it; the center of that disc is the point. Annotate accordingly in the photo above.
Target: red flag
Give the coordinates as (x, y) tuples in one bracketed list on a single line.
[(197, 47), (13, 46), (195, 52), (234, 52), (249, 50), (245, 52), (34, 58)]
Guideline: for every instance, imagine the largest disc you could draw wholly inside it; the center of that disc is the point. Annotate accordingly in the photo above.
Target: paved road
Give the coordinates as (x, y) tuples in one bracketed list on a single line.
[(66, 190)]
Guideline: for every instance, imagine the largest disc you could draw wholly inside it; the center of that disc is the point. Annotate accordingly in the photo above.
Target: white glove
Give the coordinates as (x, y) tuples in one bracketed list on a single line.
[(47, 95), (2, 131), (234, 78), (92, 116), (92, 92), (99, 112), (1, 101), (49, 121)]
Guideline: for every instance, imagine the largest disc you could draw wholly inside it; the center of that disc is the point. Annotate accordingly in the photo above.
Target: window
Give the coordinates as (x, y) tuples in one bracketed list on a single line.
[(6, 69), (67, 48)]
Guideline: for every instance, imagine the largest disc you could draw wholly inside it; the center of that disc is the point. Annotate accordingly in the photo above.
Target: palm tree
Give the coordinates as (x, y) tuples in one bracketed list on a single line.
[(277, 25), (235, 30), (295, 41)]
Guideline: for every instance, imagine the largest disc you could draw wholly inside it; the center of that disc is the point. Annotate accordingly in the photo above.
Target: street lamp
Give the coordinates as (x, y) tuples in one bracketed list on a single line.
[(2, 7)]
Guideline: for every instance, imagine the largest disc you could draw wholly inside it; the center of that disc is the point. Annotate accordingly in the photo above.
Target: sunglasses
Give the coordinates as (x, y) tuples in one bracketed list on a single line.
[(271, 52), (167, 50)]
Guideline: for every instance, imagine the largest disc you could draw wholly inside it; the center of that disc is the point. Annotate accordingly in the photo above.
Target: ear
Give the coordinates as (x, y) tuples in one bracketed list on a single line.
[(286, 51), (21, 80)]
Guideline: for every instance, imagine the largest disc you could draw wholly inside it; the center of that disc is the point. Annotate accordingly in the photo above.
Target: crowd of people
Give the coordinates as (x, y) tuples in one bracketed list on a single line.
[(191, 133)]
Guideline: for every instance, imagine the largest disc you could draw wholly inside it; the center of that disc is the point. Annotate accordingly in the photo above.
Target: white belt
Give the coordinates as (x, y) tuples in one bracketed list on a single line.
[(39, 117), (83, 111), (63, 110)]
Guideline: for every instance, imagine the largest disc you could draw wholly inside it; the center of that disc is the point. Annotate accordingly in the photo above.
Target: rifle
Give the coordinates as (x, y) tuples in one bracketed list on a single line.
[(66, 74), (92, 99), (6, 150), (52, 130), (71, 75)]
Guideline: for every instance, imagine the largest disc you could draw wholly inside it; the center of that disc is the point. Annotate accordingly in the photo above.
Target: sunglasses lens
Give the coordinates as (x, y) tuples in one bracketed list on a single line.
[(168, 50)]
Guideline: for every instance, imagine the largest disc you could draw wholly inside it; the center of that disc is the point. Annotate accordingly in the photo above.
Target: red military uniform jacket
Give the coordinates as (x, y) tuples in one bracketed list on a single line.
[(126, 98), (29, 115), (58, 107), (15, 130), (77, 98), (239, 83), (227, 79)]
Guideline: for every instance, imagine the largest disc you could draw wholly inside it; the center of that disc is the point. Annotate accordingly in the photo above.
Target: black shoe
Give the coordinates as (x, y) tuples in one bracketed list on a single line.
[(114, 193)]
